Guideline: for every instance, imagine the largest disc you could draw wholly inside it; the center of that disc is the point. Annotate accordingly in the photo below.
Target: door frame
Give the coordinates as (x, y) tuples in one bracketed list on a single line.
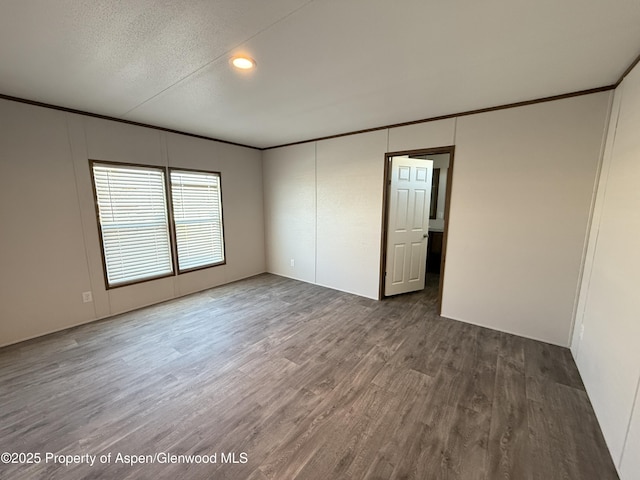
[(450, 149)]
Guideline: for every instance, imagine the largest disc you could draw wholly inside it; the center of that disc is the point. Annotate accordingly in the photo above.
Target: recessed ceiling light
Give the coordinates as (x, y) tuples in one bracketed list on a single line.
[(244, 63)]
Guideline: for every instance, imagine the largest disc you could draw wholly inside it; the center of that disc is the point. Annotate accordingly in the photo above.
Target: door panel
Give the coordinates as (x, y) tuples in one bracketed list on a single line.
[(416, 262), (398, 264), (419, 211), (402, 211), (408, 224)]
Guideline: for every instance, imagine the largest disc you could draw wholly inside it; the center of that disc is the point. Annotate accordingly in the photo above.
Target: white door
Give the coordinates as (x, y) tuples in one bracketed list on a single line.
[(408, 224)]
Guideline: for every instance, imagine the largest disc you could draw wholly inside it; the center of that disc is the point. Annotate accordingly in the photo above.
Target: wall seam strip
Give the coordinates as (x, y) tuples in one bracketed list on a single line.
[(604, 201), (455, 129), (82, 223), (590, 220), (315, 205), (86, 143)]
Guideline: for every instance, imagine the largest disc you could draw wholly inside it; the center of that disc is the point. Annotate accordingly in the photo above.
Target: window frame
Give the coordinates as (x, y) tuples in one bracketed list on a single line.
[(173, 242)]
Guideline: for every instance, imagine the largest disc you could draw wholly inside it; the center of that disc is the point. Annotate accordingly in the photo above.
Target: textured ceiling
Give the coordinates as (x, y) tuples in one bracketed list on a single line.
[(324, 66)]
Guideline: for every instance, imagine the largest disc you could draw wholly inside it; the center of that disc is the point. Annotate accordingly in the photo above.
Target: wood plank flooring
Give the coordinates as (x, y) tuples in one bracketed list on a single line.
[(308, 383)]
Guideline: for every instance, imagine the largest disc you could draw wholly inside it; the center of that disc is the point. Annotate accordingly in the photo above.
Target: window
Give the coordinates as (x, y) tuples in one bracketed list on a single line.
[(197, 213), (138, 240)]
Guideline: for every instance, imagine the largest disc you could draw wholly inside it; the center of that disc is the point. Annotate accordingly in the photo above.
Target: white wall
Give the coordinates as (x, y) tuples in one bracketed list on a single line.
[(522, 192), (49, 244), (608, 351), (323, 205), (43, 267), (290, 204), (521, 195), (349, 188)]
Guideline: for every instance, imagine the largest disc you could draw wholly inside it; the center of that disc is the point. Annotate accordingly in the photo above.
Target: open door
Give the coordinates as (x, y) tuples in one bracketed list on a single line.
[(407, 224)]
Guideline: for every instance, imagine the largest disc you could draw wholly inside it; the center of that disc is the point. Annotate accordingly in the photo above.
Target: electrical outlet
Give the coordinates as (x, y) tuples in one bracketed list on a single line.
[(581, 331), (293, 262), (87, 297)]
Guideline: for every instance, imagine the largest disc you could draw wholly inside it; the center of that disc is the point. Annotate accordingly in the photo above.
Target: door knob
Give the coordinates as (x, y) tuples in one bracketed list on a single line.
[(425, 235)]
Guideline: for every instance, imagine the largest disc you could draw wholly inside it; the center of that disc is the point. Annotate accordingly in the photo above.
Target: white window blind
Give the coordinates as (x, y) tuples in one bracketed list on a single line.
[(197, 213), (134, 223)]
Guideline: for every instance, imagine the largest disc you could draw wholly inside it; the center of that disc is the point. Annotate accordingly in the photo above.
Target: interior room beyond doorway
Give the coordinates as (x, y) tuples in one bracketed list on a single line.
[(415, 220)]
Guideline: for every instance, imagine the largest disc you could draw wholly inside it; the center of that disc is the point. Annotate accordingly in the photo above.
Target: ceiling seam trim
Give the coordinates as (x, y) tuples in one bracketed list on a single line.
[(225, 54)]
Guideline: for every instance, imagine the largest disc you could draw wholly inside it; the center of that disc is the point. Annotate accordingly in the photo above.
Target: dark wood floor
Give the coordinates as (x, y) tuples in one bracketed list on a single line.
[(309, 383)]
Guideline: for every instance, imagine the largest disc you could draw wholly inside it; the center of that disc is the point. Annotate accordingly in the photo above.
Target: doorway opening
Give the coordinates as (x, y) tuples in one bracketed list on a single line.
[(417, 194)]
